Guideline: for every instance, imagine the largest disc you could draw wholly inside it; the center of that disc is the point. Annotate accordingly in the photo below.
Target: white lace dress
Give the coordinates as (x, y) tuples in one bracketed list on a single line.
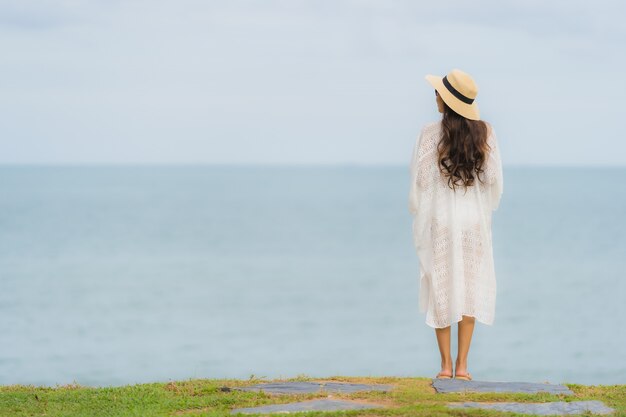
[(452, 235)]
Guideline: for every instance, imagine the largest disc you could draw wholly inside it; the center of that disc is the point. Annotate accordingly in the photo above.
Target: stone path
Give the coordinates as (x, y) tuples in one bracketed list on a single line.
[(440, 385), (312, 405), (313, 387), (460, 385), (544, 409)]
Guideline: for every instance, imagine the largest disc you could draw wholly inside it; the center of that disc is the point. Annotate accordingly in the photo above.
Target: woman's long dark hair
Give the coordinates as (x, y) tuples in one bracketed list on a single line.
[(463, 148)]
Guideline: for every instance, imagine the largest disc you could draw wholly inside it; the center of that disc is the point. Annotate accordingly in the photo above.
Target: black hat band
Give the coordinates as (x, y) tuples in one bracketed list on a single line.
[(455, 93)]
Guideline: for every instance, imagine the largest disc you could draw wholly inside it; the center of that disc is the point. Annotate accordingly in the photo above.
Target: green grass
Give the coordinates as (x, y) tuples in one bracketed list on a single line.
[(208, 397)]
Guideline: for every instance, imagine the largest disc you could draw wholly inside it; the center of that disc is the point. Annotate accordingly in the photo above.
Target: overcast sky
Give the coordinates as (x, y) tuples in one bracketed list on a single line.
[(326, 81)]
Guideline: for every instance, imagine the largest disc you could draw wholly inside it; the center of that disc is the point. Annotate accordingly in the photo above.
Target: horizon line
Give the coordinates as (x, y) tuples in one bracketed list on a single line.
[(279, 164)]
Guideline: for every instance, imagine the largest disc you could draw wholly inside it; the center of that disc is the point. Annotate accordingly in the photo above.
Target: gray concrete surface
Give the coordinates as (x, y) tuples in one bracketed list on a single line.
[(302, 387), (312, 405), (544, 409), (459, 385)]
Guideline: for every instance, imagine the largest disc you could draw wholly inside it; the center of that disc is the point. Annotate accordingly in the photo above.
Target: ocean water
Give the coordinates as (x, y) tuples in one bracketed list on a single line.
[(114, 275)]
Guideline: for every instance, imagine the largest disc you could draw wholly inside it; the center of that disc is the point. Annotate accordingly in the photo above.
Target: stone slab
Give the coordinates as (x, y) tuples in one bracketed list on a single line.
[(312, 405), (460, 385), (543, 409), (305, 387)]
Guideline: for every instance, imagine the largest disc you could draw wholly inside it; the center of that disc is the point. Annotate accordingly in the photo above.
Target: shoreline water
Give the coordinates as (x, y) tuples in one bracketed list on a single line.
[(124, 275)]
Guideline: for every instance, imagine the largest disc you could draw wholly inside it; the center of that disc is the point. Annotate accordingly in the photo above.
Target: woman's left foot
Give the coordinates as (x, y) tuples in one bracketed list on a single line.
[(467, 376)]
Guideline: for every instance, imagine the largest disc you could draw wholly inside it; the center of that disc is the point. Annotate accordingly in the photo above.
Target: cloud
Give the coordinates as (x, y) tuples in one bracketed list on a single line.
[(300, 81), (41, 15)]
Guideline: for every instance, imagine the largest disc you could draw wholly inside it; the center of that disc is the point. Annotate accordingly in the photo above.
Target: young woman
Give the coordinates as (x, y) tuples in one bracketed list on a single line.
[(456, 183)]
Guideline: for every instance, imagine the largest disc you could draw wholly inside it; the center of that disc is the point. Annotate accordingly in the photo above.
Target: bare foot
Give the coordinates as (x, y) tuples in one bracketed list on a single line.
[(467, 376), (446, 369), (460, 371)]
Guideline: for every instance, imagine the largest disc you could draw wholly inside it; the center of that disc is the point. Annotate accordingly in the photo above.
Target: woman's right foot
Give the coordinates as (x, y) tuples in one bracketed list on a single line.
[(446, 369)]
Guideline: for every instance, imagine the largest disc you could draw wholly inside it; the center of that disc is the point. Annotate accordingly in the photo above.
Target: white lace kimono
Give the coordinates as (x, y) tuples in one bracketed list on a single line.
[(452, 235)]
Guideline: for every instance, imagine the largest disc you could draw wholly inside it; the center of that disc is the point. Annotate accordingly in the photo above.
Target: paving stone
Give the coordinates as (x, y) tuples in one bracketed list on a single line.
[(544, 409), (460, 385), (302, 387), (312, 405)]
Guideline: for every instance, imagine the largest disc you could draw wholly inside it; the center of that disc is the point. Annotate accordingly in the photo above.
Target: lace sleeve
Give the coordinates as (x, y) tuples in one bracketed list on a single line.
[(493, 170), (421, 168), (413, 197)]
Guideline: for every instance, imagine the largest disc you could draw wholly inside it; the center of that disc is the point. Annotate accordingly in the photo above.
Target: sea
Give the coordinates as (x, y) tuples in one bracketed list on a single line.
[(123, 274)]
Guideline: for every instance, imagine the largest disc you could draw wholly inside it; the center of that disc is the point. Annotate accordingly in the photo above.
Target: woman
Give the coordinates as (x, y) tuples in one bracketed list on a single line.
[(456, 183)]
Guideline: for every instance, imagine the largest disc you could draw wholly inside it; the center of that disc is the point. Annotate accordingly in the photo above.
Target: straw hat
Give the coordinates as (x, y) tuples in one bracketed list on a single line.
[(458, 90)]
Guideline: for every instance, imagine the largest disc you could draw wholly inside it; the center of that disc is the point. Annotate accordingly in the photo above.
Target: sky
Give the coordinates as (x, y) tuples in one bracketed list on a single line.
[(304, 82)]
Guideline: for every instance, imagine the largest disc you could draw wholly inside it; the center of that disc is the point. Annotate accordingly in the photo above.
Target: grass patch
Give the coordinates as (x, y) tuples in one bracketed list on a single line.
[(215, 397)]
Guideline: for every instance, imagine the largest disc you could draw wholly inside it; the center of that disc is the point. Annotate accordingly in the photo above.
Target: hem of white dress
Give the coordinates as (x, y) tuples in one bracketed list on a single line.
[(460, 318)]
